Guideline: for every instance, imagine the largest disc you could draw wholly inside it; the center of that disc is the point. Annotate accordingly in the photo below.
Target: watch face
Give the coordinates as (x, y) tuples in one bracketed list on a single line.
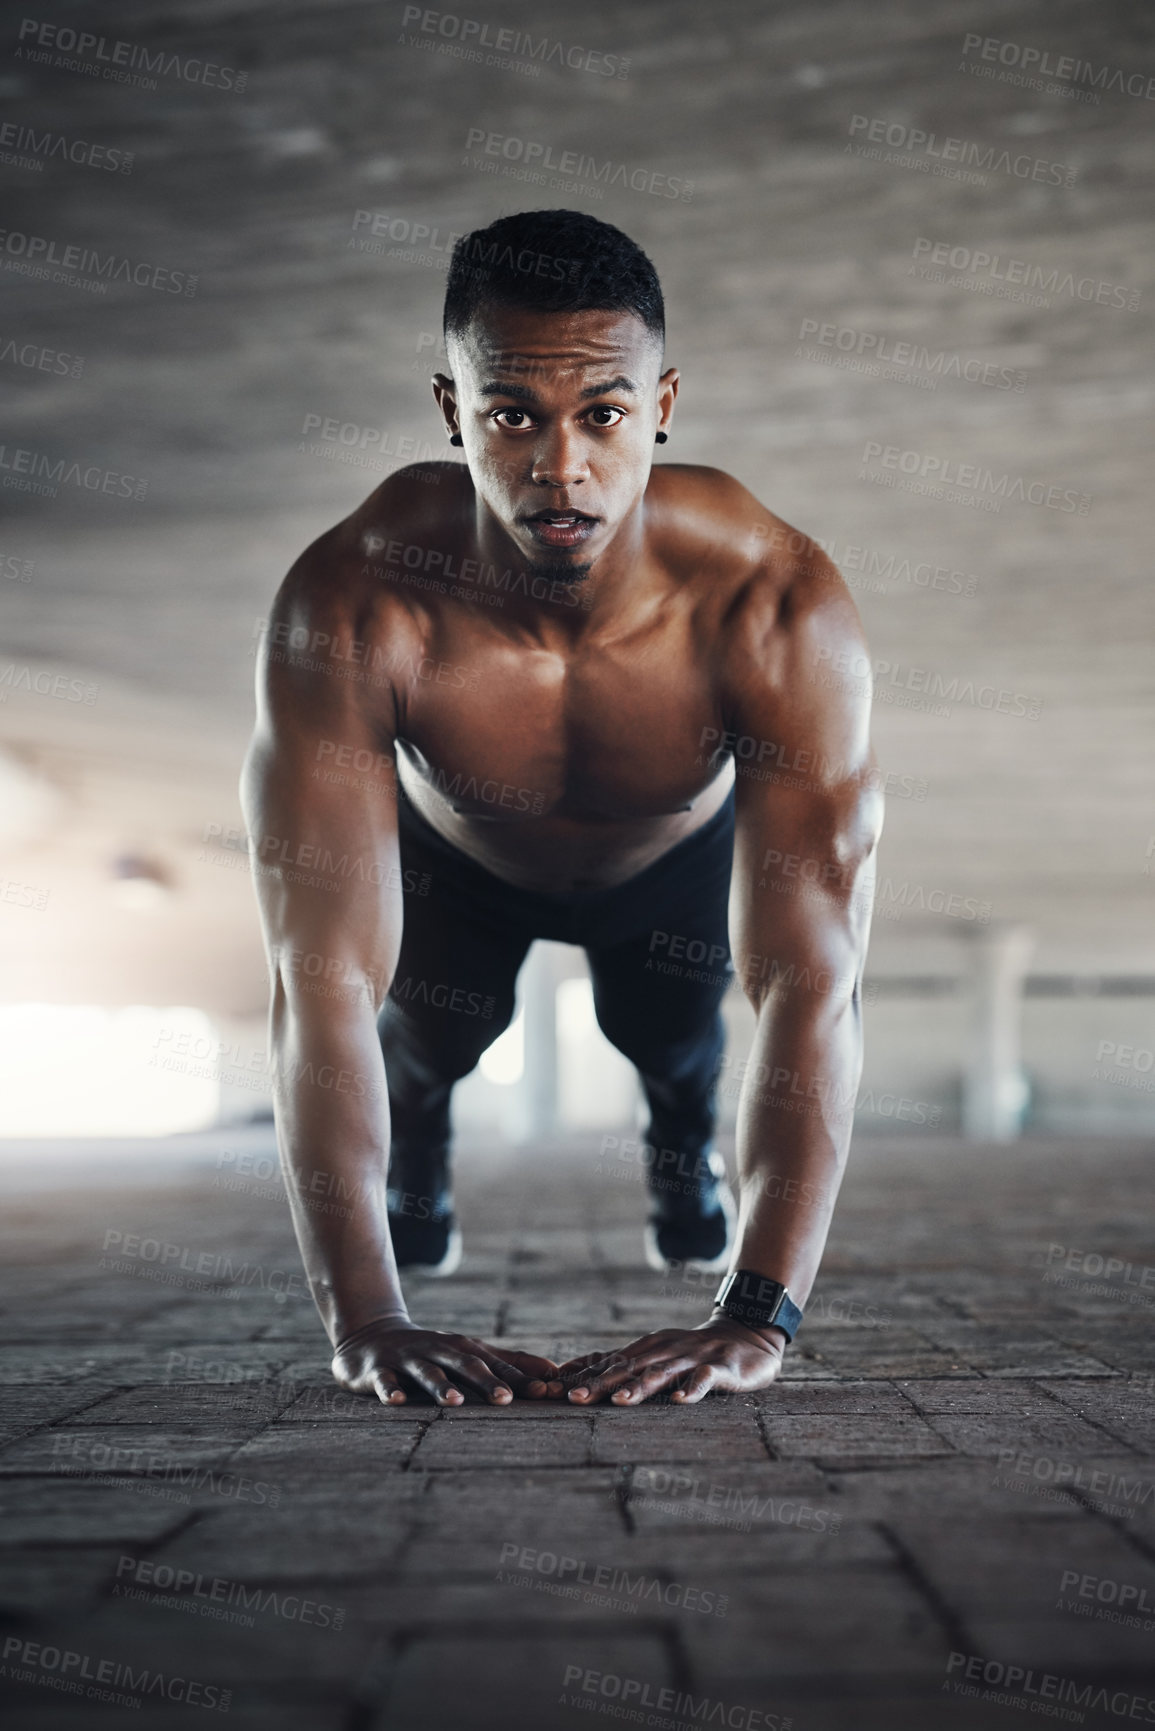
[(753, 1288)]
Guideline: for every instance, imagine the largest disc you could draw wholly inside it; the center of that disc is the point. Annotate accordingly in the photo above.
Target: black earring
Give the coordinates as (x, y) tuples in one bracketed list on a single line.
[(456, 439), (660, 438)]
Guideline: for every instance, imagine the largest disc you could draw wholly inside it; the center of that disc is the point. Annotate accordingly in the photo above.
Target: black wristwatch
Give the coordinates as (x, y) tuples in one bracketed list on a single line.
[(745, 1296)]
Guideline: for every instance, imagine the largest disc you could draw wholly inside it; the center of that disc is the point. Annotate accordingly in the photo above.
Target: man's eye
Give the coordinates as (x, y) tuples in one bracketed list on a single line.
[(518, 418), (606, 409)]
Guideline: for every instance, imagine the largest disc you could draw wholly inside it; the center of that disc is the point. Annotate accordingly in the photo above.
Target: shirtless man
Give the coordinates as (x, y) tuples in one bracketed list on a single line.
[(554, 692)]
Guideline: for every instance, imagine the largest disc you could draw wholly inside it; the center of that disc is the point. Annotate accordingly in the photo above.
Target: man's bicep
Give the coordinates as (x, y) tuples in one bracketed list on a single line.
[(808, 822)]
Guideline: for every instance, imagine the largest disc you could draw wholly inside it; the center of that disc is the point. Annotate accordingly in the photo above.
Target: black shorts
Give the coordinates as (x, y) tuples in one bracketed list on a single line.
[(659, 958)]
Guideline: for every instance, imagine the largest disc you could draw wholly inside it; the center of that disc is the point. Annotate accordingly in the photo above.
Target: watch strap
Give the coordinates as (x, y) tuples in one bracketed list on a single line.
[(748, 1297)]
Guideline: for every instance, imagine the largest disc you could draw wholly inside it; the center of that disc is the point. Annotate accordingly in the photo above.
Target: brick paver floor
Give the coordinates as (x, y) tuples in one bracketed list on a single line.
[(954, 1477)]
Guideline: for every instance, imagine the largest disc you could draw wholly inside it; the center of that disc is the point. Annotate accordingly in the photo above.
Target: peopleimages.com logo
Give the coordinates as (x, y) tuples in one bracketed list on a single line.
[(955, 158), (55, 44), (465, 38), (1031, 65), (536, 157), (964, 483)]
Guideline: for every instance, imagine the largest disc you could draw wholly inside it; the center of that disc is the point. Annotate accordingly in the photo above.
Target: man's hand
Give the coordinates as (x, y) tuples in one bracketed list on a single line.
[(719, 1354), (378, 1358)]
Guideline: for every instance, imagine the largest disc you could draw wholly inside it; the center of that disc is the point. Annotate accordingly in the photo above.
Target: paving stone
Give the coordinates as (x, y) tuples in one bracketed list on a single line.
[(270, 1714), (172, 1405), (1123, 1410), (463, 1441), (329, 1404), (879, 1510), (754, 1498), (804, 1536), (714, 1430), (231, 1647), (953, 1488), (840, 1397), (886, 1704), (1041, 1433), (1113, 1482), (78, 1361), (894, 1356), (779, 1627), (802, 1369), (40, 1511), (979, 1395), (331, 1536), (517, 1680), (469, 1516), (1020, 1354), (852, 1437), (1023, 1565), (317, 1450), (33, 1581), (30, 1407), (1069, 1646)]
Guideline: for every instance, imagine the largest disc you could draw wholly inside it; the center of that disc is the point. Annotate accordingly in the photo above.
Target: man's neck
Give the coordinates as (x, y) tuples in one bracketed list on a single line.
[(547, 611)]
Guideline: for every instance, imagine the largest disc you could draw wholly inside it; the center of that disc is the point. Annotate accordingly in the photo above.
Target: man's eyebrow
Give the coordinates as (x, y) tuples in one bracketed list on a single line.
[(495, 388), (523, 394), (621, 383)]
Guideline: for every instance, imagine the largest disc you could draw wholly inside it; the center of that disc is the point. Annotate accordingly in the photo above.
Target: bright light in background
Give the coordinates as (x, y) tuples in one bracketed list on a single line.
[(29, 805), (576, 1018), (504, 1062), (596, 1085), (82, 1070)]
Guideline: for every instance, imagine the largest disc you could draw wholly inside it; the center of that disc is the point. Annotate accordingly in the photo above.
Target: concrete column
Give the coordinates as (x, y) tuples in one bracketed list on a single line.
[(994, 1087), (531, 1107), (539, 986)]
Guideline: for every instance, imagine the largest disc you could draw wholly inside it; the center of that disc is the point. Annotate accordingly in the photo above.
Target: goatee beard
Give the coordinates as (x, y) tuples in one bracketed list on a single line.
[(558, 571)]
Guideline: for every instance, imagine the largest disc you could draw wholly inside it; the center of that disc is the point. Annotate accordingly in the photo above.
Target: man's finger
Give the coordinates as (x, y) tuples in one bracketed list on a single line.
[(698, 1383), (433, 1381), (623, 1370), (574, 1366), (535, 1378), (517, 1367), (508, 1368), (601, 1364), (477, 1371), (652, 1381), (530, 1365), (388, 1389), (637, 1349)]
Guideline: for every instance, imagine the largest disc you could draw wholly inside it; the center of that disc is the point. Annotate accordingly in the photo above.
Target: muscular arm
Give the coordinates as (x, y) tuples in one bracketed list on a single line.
[(800, 917), (808, 819), (327, 866)]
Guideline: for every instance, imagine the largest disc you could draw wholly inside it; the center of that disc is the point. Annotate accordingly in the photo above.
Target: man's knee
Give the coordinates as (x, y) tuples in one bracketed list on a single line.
[(445, 1041), (672, 1053)]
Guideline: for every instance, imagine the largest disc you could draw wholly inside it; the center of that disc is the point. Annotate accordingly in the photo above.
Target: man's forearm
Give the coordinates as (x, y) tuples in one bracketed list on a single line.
[(795, 1116), (332, 1113)]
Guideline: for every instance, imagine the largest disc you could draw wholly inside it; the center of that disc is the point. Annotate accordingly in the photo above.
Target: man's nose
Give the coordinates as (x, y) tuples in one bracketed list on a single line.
[(559, 460)]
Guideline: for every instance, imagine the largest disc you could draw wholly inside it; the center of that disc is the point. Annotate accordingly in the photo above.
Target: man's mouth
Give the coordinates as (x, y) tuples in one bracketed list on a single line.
[(560, 528)]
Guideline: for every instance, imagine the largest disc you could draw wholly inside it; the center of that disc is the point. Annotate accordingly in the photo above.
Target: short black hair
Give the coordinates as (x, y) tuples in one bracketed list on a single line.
[(551, 261)]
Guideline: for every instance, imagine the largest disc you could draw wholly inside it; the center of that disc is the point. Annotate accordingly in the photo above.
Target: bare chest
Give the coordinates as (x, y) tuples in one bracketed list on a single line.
[(608, 737)]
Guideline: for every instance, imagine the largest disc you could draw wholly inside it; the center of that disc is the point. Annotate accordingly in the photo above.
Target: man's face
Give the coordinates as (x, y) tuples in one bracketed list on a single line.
[(558, 412)]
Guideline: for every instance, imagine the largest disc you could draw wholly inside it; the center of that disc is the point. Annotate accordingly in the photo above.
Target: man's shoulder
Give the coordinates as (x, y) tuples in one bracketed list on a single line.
[(755, 560), (338, 576)]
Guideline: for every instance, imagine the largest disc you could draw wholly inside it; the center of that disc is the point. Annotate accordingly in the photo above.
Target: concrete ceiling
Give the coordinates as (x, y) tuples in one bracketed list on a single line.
[(204, 395)]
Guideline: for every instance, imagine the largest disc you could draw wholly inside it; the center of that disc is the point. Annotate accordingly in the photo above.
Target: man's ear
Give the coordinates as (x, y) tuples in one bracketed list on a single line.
[(445, 392), (667, 395)]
